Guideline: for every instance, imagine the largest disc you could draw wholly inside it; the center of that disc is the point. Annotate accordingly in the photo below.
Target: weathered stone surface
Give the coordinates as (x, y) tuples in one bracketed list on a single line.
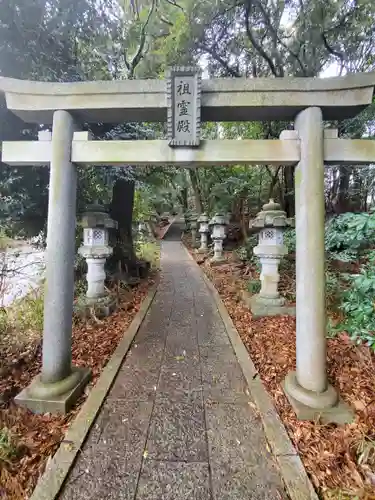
[(222, 99), (53, 403), (174, 481), (241, 465), (259, 307), (109, 464), (223, 381), (177, 432)]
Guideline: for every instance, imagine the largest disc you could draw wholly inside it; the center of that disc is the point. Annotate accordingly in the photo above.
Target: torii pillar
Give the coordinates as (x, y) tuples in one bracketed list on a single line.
[(307, 389), (59, 384)]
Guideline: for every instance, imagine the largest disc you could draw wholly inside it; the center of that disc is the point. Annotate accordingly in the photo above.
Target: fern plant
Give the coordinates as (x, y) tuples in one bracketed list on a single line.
[(358, 305)]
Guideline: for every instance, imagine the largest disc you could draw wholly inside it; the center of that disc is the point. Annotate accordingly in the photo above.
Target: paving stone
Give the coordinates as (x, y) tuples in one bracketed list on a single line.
[(177, 431), (177, 376), (241, 465), (174, 481), (136, 383), (108, 467), (211, 330), (223, 381), (218, 354), (183, 336)]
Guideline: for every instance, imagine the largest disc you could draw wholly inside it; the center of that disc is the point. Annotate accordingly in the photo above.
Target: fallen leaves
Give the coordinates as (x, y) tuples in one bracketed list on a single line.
[(39, 436), (339, 460)]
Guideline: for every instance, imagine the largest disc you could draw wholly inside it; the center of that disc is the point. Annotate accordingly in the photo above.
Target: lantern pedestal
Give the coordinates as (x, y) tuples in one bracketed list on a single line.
[(204, 230), (218, 257), (260, 306), (204, 244)]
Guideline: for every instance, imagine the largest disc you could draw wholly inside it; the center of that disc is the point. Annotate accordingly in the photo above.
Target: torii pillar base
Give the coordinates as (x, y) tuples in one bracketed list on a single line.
[(58, 397), (341, 413)]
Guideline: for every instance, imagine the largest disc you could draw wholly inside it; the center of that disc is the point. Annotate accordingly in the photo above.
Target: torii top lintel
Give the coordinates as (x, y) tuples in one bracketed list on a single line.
[(223, 99)]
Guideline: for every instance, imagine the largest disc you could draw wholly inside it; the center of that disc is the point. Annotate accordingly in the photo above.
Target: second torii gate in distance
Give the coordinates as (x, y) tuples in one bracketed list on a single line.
[(306, 101)]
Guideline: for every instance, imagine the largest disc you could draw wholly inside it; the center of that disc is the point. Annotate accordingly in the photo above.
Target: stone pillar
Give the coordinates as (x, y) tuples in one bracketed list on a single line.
[(308, 389), (59, 384)]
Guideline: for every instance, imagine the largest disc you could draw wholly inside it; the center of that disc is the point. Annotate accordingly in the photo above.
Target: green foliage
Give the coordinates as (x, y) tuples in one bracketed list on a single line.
[(348, 234), (253, 286), (333, 287), (24, 315), (242, 253), (150, 252), (358, 307), (290, 239), (142, 205), (4, 239), (80, 288), (8, 449), (245, 252)]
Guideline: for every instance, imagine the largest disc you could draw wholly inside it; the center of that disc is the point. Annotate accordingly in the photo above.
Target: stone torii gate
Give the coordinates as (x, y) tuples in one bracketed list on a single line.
[(306, 101)]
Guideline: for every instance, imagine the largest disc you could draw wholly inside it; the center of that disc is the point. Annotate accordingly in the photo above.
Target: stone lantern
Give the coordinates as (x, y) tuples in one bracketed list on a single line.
[(271, 222), (95, 249), (204, 230), (193, 228), (218, 223)]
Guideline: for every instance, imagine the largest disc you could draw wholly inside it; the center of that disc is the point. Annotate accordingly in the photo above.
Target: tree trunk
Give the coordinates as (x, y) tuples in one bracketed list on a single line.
[(123, 258), (197, 194), (289, 198), (341, 202), (243, 221)]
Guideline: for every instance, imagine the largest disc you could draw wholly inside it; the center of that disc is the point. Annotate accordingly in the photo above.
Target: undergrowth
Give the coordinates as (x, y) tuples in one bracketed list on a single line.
[(8, 447), (24, 314), (149, 251)]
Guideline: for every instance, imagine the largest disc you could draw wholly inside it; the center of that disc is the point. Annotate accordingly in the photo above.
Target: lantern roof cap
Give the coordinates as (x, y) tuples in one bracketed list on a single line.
[(219, 219), (271, 216), (96, 215), (203, 217)]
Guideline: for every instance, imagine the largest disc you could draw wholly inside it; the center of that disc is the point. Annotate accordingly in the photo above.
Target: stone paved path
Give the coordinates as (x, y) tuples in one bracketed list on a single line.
[(178, 423)]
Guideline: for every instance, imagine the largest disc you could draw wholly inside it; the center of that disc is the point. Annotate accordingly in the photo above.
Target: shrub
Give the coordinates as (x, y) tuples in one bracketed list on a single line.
[(358, 307), (347, 234), (242, 253), (150, 252), (290, 239)]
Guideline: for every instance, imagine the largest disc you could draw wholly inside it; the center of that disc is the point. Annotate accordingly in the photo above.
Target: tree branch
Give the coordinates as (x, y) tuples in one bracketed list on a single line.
[(254, 43), (335, 53), (225, 65), (139, 54), (175, 4)]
